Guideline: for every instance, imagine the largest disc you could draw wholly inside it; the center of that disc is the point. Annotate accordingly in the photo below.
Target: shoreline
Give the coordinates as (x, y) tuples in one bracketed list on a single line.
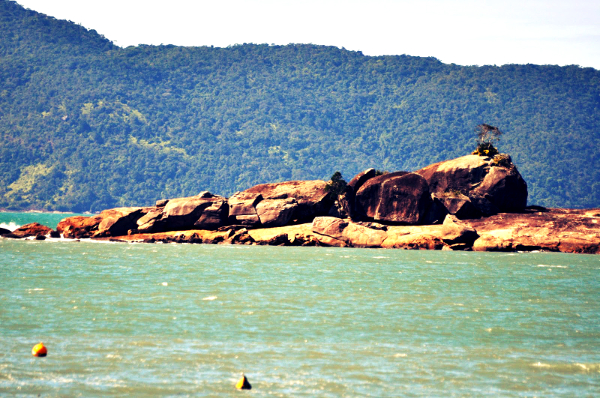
[(552, 230)]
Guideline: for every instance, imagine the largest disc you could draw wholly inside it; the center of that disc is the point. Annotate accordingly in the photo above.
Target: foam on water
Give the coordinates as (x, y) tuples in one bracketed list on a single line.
[(11, 226)]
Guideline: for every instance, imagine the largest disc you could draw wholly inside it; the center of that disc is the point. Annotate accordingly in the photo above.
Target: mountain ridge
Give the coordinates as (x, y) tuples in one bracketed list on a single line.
[(86, 125)]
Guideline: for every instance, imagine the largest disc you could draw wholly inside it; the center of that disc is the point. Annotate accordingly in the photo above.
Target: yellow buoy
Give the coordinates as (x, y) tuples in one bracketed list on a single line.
[(243, 384), (39, 350)]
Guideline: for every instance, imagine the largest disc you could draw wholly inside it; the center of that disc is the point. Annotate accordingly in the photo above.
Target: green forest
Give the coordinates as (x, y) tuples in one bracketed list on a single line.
[(86, 125)]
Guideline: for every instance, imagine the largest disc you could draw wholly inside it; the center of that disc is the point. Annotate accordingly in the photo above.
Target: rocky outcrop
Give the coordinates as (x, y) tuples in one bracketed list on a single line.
[(204, 211), (276, 212), (395, 198), (35, 230), (570, 231), (457, 234), (332, 231), (119, 221), (79, 227), (563, 230), (491, 186), (242, 209), (395, 210), (458, 204), (311, 198)]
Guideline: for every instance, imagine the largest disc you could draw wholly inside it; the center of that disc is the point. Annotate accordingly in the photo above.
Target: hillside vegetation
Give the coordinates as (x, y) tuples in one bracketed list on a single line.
[(86, 125)]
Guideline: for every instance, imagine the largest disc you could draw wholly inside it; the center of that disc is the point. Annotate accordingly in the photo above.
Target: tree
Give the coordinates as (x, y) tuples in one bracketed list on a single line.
[(486, 136), (337, 185)]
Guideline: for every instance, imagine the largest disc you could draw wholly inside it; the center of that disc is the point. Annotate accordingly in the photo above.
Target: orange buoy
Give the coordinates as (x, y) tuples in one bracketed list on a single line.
[(39, 350), (243, 384)]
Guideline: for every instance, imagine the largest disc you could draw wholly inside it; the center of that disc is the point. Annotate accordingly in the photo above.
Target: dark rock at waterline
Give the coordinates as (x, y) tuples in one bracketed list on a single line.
[(4, 231), (117, 222), (33, 229), (455, 231), (79, 227)]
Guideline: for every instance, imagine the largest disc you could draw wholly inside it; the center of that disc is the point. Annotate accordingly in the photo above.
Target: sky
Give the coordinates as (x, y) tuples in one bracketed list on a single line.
[(463, 32)]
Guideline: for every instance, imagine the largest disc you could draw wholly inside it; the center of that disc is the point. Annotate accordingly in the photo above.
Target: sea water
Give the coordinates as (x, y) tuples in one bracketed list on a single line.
[(186, 320)]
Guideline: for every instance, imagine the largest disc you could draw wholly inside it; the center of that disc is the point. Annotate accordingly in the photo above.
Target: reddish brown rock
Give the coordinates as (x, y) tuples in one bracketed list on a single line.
[(459, 205), (117, 222), (205, 211), (28, 230), (241, 237), (564, 230), (504, 188), (399, 197), (213, 216), (311, 197), (79, 227), (491, 187), (362, 177), (276, 212), (147, 223), (414, 241), (455, 231), (242, 209), (333, 231), (330, 226)]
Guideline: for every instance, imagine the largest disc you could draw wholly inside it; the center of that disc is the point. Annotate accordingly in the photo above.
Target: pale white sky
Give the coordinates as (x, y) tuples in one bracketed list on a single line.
[(464, 32)]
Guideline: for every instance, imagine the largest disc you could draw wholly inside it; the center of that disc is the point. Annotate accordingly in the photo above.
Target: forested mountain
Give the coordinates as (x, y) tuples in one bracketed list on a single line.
[(86, 125)]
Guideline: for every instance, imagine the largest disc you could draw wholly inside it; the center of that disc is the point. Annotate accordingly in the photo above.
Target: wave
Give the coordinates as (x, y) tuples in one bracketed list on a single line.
[(11, 226)]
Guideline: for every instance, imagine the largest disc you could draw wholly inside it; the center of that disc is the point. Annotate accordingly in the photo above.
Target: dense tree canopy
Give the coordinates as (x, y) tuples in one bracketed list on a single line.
[(86, 125)]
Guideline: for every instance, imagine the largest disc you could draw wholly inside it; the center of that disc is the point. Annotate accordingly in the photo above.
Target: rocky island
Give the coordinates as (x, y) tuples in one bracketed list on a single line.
[(470, 203)]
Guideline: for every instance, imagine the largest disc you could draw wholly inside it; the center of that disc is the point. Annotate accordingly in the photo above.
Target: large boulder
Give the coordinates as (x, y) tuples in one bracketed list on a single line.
[(311, 197), (457, 232), (353, 186), (399, 197), (242, 209), (332, 231), (148, 222), (358, 180), (79, 227), (117, 222), (276, 212), (30, 230), (492, 184), (204, 211)]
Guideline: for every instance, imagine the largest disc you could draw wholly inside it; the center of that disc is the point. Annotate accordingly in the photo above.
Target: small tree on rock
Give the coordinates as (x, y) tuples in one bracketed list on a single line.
[(486, 136), (337, 185)]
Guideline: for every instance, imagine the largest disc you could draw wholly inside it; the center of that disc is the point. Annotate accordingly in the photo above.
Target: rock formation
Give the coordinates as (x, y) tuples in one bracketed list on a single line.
[(492, 186), (35, 230), (396, 197), (393, 210), (312, 200)]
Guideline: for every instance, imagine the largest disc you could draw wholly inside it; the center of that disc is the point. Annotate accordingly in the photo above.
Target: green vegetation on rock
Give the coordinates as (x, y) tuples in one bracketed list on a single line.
[(86, 125)]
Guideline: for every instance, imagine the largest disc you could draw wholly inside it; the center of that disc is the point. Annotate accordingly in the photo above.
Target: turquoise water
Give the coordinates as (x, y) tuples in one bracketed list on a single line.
[(13, 220), (186, 320)]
